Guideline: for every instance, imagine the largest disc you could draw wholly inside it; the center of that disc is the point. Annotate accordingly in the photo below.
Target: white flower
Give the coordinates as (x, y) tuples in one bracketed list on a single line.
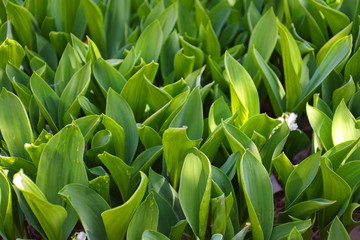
[(290, 119), (81, 236)]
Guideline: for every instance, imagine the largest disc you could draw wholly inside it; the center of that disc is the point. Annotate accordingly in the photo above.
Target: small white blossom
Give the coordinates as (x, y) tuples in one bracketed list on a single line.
[(290, 119), (81, 236)]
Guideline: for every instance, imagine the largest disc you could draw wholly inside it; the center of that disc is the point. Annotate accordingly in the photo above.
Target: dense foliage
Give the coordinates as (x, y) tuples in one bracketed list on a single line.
[(167, 119)]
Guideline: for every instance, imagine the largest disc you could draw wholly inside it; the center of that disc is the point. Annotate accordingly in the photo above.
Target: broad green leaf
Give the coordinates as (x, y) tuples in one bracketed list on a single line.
[(51, 217), (239, 142), (301, 177), (183, 64), (349, 218), (321, 124), (338, 231), (244, 89), (265, 29), (16, 163), (101, 185), (167, 215), (195, 181), (95, 21), (191, 116), (274, 146), (146, 159), (148, 136), (167, 57), (88, 107), (242, 234), (350, 172), (167, 19), (7, 225), (116, 220), (119, 110), (152, 235), (176, 146), (11, 52), (14, 124), (119, 171), (107, 76), (218, 16), (353, 66), (218, 112), (191, 50), (22, 22), (335, 19), (334, 188), (344, 126), (292, 63), (345, 92), (212, 45), (326, 47), (339, 153), (304, 209), (273, 85), (145, 218), (338, 52), (88, 204), (283, 167), (47, 100), (77, 86), (118, 136), (87, 125), (283, 230), (61, 163), (150, 42), (186, 21), (116, 18), (295, 235), (257, 188), (72, 17), (46, 51), (68, 65), (14, 72), (178, 229)]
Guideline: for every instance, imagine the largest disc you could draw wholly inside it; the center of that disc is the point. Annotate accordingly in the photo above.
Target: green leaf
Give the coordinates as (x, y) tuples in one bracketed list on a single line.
[(119, 110), (256, 184), (68, 65), (338, 52), (87, 125), (120, 172), (116, 18), (195, 181), (292, 63), (338, 231), (152, 235), (239, 142), (244, 89), (148, 136), (344, 126), (283, 167), (304, 209), (118, 136), (21, 20), (145, 218), (14, 124), (77, 86), (334, 188), (88, 107), (295, 235), (61, 163), (88, 204), (107, 76), (335, 19), (51, 217), (265, 29), (16, 163), (191, 116), (345, 92), (150, 42), (321, 124), (146, 159), (116, 220), (272, 83), (11, 52), (47, 100), (7, 225), (283, 230), (218, 112), (350, 173), (95, 21), (301, 177), (353, 66), (168, 19)]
